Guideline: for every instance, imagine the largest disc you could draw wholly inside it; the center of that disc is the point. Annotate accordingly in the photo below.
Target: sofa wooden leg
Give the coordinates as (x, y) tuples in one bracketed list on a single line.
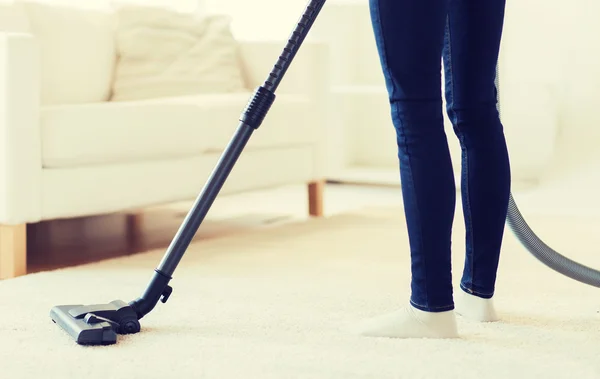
[(13, 251), (135, 227), (316, 191)]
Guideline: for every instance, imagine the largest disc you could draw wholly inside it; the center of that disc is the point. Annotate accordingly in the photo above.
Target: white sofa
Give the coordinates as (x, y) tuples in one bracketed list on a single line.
[(68, 151)]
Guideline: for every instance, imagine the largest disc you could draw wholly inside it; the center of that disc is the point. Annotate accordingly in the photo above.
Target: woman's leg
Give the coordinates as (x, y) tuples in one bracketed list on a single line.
[(471, 52), (410, 38)]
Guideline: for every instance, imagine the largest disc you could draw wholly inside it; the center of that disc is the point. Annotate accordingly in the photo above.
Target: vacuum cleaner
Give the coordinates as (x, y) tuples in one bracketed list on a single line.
[(100, 324)]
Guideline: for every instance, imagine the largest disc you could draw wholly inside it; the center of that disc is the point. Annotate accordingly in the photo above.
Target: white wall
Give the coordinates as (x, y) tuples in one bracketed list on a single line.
[(181, 5), (261, 19), (555, 45)]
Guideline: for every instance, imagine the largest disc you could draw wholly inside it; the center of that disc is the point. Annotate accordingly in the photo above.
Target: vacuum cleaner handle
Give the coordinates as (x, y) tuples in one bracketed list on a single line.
[(251, 119), (294, 42)]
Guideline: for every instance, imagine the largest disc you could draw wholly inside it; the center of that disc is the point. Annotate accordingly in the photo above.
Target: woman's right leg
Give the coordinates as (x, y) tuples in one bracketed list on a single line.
[(409, 36)]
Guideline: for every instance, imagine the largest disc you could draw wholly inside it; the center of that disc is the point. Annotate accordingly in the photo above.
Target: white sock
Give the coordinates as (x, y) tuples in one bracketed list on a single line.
[(474, 307), (410, 322)]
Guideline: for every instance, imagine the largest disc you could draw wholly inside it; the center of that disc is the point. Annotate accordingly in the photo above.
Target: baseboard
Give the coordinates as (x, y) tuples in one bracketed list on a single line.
[(367, 175), (390, 177)]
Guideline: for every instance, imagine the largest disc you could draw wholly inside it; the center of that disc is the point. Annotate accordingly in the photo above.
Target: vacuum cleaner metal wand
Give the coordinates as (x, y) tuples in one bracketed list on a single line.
[(250, 120), (99, 324)]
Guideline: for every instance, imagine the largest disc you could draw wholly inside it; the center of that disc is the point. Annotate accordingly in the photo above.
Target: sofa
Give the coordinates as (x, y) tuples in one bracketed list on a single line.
[(83, 132)]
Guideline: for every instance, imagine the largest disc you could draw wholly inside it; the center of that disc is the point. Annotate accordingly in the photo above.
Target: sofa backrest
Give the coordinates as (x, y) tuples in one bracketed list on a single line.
[(96, 51), (13, 18), (77, 50)]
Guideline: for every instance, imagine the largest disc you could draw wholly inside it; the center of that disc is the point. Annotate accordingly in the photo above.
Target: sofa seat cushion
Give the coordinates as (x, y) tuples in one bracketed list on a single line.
[(169, 128)]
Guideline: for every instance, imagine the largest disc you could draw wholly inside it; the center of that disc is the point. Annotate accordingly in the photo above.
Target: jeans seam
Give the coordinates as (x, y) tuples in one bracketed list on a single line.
[(384, 46), (395, 104), (419, 232), (465, 160)]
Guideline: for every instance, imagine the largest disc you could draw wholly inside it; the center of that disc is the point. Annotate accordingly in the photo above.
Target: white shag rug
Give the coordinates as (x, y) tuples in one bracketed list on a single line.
[(276, 302)]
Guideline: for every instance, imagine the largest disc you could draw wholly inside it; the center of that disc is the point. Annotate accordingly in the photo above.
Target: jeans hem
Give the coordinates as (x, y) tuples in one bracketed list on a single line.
[(483, 295), (424, 308)]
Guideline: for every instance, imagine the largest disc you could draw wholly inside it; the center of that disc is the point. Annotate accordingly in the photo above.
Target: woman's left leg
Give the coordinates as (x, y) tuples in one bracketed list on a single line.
[(473, 38)]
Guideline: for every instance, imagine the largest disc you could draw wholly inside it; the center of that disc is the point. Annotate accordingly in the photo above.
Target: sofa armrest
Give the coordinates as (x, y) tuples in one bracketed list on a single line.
[(308, 72), (20, 137)]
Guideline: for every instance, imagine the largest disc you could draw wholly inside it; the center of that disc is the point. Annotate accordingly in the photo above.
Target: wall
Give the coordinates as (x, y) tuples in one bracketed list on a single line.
[(260, 19), (181, 5), (553, 46), (267, 18)]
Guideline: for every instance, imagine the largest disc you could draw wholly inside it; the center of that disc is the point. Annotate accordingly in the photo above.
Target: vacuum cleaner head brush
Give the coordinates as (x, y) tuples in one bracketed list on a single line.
[(96, 324)]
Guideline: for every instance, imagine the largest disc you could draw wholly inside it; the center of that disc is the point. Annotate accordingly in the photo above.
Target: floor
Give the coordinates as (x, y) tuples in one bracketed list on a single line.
[(64, 243), (282, 302)]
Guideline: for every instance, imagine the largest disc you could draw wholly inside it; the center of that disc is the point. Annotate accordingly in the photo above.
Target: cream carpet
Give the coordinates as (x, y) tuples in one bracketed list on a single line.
[(275, 303)]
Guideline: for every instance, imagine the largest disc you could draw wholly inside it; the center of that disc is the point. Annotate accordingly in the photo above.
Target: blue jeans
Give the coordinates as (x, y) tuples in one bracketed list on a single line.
[(413, 38)]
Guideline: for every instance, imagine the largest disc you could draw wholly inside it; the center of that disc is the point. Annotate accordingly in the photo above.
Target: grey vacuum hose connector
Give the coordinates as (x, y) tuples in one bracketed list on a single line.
[(537, 247)]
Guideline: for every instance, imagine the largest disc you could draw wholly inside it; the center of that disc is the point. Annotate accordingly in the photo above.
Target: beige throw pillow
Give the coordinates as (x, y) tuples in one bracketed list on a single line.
[(163, 53)]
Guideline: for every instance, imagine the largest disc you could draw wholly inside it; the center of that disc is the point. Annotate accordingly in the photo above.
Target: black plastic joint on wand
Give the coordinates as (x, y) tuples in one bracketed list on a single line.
[(257, 108), (158, 290)]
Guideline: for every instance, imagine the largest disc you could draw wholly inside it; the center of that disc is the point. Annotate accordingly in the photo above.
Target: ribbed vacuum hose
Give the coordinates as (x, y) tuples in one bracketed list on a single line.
[(545, 253), (537, 247)]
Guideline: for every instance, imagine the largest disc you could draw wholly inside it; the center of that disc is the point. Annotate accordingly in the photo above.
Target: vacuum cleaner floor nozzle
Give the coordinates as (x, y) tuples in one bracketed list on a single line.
[(84, 333), (96, 324)]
